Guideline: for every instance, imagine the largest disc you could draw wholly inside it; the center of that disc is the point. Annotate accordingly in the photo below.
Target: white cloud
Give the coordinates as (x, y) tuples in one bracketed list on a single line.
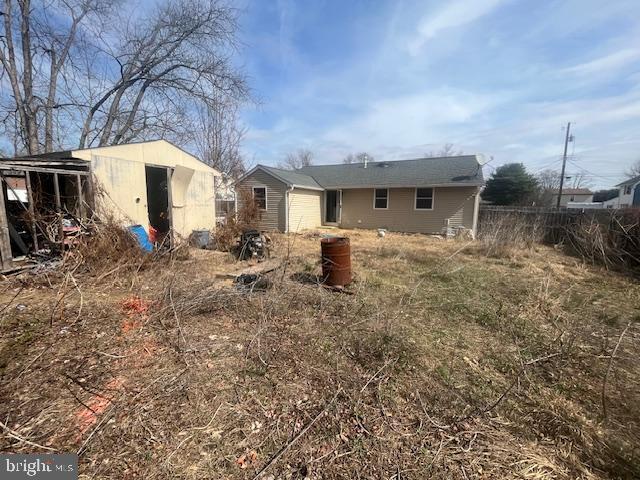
[(606, 63), (411, 119), (456, 14)]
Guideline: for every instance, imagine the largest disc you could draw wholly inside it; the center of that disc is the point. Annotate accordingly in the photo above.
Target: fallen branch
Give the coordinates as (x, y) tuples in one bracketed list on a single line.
[(297, 437), (15, 435), (606, 376), (376, 374), (515, 382)]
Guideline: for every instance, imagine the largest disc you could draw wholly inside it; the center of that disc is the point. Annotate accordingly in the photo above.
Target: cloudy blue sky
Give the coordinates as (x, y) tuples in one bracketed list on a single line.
[(401, 78)]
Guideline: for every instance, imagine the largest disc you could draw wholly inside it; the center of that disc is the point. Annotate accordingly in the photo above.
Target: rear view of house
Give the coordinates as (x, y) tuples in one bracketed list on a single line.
[(426, 195)]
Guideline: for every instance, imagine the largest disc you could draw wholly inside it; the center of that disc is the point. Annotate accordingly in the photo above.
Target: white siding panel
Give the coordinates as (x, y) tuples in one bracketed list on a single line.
[(304, 209)]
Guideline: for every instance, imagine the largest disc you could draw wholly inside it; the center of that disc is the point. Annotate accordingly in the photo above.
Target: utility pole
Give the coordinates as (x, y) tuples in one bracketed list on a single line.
[(564, 162)]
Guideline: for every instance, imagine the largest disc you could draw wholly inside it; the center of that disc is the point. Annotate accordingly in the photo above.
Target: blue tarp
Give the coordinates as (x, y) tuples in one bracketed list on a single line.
[(141, 235)]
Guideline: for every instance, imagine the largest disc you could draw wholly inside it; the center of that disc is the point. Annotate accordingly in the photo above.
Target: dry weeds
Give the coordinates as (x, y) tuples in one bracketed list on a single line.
[(443, 364)]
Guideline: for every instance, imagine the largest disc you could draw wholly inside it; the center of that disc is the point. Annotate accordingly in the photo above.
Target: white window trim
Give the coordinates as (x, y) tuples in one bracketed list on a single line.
[(266, 197), (374, 199), (415, 200)]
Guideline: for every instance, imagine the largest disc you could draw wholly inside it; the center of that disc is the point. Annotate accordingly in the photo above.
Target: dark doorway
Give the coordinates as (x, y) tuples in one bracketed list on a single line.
[(158, 199), (331, 206)]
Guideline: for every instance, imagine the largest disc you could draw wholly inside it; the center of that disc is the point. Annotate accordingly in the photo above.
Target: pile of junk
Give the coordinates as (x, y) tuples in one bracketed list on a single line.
[(252, 245)]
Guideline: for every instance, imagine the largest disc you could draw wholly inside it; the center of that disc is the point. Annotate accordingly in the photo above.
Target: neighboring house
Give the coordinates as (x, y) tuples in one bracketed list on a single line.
[(147, 183), (579, 195), (426, 195), (628, 194)]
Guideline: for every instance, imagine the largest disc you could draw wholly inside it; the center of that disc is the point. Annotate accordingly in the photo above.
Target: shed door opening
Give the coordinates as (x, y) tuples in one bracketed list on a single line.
[(332, 206), (158, 199)]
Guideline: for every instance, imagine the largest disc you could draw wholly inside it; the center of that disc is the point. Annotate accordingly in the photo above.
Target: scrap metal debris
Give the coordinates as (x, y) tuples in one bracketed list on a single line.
[(253, 244)]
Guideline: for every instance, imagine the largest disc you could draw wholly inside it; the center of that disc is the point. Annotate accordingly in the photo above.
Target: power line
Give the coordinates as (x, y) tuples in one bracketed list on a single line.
[(593, 174)]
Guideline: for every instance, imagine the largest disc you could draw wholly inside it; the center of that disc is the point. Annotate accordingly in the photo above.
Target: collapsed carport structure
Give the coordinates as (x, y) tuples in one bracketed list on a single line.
[(36, 191), (153, 184)]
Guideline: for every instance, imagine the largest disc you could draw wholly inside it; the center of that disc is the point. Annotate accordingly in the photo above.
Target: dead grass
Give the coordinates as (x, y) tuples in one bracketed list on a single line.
[(445, 363)]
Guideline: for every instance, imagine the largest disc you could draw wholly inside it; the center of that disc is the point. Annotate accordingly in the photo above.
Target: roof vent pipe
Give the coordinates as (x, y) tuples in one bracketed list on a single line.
[(366, 160)]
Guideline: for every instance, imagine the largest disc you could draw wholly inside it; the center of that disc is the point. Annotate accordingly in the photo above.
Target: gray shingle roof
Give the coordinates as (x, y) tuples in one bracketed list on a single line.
[(291, 177), (630, 181), (460, 170)]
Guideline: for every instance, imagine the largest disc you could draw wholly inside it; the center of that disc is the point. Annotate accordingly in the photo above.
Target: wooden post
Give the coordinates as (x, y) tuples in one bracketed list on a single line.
[(56, 188), (170, 206), (32, 210), (5, 241), (80, 197)]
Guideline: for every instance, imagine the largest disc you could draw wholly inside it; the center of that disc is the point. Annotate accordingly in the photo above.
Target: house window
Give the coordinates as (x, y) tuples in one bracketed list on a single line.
[(260, 197), (381, 198), (627, 189), (424, 199)]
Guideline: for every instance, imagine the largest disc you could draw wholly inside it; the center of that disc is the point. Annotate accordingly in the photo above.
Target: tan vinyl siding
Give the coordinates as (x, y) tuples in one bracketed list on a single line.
[(304, 209), (274, 217), (453, 203)]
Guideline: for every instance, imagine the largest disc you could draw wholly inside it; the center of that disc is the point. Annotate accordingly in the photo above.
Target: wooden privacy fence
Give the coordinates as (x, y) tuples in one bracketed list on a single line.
[(610, 237)]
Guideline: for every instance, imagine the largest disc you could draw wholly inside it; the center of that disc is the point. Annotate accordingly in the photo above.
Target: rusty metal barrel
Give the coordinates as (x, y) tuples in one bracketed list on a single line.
[(336, 261)]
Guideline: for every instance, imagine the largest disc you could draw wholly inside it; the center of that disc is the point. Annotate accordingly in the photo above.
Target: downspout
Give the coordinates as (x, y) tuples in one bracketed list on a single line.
[(286, 208), (476, 208)]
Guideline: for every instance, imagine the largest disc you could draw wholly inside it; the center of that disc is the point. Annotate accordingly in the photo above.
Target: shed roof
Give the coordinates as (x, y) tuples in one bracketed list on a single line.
[(69, 154), (463, 170)]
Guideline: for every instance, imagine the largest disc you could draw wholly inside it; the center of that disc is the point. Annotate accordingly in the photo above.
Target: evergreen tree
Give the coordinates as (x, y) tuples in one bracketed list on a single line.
[(510, 184)]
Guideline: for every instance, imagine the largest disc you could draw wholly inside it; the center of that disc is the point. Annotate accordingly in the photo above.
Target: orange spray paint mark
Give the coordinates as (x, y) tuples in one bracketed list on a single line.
[(135, 304), (87, 417)]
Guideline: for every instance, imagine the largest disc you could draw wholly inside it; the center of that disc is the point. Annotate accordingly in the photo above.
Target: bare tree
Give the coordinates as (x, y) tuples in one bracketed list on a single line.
[(36, 43), (579, 180), (298, 159), (549, 179), (358, 158), (633, 170), (102, 80), (219, 137), (181, 54), (548, 184), (447, 150)]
